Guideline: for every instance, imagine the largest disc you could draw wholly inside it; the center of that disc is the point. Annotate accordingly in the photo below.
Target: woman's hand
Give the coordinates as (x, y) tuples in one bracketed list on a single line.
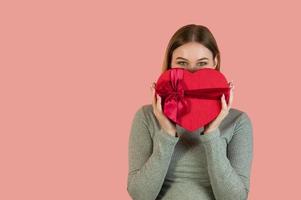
[(224, 111), (164, 122)]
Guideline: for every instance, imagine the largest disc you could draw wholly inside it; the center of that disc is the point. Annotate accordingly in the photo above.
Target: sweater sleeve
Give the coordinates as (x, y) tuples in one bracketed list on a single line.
[(148, 158), (229, 169)]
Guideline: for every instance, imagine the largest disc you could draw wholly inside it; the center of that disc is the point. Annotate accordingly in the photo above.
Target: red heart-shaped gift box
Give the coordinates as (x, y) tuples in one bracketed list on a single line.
[(192, 99)]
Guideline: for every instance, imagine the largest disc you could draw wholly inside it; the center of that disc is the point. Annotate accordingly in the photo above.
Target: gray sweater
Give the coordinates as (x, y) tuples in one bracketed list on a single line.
[(216, 165)]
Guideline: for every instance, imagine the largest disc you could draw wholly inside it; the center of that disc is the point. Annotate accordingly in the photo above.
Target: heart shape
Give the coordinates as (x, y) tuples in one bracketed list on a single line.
[(192, 99)]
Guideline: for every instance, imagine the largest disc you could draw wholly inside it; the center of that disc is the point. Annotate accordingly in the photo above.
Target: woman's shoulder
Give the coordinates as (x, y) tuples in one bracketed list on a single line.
[(147, 108), (235, 121), (235, 117), (238, 115), (146, 112)]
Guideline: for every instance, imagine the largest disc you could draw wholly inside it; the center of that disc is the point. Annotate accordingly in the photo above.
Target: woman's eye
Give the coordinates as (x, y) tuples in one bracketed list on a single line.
[(181, 62), (204, 63)]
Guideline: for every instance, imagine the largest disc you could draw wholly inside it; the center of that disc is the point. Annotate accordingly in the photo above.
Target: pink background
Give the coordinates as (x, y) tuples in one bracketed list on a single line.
[(74, 72)]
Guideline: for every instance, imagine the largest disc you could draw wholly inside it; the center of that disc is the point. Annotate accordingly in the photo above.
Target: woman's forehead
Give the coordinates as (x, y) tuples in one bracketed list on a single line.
[(192, 52)]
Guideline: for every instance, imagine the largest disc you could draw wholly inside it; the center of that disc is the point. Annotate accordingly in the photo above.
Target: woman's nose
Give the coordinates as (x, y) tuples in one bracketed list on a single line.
[(192, 69)]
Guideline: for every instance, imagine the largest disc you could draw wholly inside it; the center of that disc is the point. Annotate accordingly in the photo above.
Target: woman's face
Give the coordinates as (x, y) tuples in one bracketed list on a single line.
[(193, 56)]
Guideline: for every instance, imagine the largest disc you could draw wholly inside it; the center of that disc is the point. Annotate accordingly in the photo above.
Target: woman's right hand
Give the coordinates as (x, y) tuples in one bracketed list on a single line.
[(165, 123)]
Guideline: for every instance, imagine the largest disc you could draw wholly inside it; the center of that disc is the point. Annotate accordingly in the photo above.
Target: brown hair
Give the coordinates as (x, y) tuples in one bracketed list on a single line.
[(191, 33)]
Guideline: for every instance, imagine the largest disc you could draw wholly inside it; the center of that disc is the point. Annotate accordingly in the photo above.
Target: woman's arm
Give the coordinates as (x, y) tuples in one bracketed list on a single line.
[(230, 176), (148, 159)]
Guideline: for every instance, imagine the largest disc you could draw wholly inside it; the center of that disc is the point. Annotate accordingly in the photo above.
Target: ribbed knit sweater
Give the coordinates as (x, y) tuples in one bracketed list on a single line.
[(216, 165)]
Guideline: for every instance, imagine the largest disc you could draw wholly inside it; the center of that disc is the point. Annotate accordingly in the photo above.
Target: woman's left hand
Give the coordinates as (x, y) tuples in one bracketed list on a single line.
[(224, 111)]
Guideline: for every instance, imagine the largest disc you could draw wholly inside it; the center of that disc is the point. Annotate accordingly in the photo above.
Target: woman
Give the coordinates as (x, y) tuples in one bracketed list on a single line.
[(168, 162)]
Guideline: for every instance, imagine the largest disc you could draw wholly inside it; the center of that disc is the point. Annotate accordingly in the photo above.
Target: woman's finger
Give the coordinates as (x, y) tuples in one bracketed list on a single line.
[(224, 103), (153, 96), (230, 98), (159, 103)]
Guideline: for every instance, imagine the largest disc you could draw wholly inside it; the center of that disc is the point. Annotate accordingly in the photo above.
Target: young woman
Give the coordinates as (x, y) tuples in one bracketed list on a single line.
[(168, 162)]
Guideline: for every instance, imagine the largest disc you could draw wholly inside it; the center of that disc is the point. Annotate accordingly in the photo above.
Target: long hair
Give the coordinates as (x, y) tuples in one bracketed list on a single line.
[(191, 33)]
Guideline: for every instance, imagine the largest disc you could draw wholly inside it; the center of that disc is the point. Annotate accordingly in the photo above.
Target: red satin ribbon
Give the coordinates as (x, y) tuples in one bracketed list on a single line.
[(175, 103)]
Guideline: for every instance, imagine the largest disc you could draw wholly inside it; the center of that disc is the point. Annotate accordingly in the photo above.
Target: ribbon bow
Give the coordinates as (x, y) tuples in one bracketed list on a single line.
[(173, 92)]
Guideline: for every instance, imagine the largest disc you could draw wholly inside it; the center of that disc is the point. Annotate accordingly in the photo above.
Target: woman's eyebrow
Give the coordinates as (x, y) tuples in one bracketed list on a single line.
[(187, 59)]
